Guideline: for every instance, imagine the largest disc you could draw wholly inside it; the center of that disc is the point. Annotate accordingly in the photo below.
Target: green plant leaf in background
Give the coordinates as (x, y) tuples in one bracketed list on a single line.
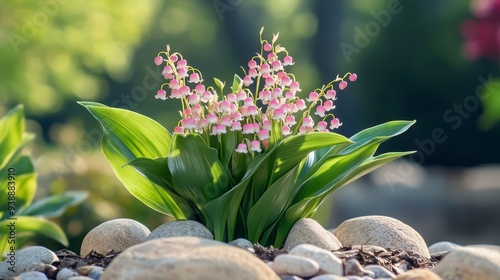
[(30, 219), (11, 133), (27, 227), (236, 83), (128, 135), (53, 206)]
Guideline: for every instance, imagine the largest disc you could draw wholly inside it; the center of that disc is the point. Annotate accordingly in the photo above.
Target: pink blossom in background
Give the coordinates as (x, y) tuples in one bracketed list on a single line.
[(482, 35)]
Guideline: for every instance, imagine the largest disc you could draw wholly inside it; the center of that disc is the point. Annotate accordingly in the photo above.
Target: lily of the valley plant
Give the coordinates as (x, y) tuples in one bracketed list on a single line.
[(246, 161)]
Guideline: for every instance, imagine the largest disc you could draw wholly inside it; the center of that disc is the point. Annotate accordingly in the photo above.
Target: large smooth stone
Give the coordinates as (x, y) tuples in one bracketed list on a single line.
[(27, 259), (185, 258), (381, 231), (471, 262), (115, 235), (308, 231), (181, 228)]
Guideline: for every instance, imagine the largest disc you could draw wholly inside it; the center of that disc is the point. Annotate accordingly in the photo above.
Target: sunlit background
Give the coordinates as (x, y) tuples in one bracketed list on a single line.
[(421, 60)]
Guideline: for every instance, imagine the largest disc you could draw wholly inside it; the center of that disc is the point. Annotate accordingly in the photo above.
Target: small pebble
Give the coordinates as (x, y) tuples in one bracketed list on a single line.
[(65, 274), (327, 261), (328, 277), (31, 275), (80, 278), (95, 274), (242, 243), (380, 271), (85, 270), (353, 277), (295, 265), (353, 267), (290, 277)]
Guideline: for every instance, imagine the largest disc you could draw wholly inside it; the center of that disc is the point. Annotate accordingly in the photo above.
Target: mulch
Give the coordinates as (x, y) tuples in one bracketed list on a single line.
[(394, 260)]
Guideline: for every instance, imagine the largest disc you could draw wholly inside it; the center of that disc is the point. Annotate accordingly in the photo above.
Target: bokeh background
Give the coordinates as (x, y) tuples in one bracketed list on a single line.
[(433, 61)]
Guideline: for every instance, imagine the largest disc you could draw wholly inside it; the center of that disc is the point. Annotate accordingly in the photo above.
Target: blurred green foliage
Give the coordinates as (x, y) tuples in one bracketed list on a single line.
[(53, 50), (20, 218)]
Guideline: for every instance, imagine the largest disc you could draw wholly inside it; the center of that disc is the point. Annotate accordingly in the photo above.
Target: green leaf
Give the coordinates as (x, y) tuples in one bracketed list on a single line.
[(220, 84), (54, 206), (386, 130), (271, 205), (25, 225), (236, 83), (197, 173), (11, 133), (24, 182), (295, 148), (329, 172), (227, 147), (372, 164), (156, 170), (128, 135), (222, 212), (289, 153), (12, 136)]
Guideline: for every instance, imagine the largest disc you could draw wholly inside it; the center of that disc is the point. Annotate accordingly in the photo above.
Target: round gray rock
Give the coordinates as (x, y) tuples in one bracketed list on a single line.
[(27, 259), (185, 258), (65, 274), (31, 275), (471, 262), (241, 243), (115, 235), (181, 228), (308, 231), (381, 231), (442, 247)]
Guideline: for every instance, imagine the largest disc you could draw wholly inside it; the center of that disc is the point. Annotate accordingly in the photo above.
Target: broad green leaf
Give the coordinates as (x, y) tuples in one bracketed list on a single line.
[(128, 135), (24, 183), (271, 205), (289, 153), (54, 206), (197, 173), (222, 212), (227, 147), (236, 83), (332, 170), (25, 225), (386, 130), (379, 133), (295, 148), (156, 170), (372, 164), (11, 133)]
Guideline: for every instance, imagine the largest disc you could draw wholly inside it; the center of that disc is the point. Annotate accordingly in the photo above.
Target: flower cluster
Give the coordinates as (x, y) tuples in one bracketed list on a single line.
[(273, 104)]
